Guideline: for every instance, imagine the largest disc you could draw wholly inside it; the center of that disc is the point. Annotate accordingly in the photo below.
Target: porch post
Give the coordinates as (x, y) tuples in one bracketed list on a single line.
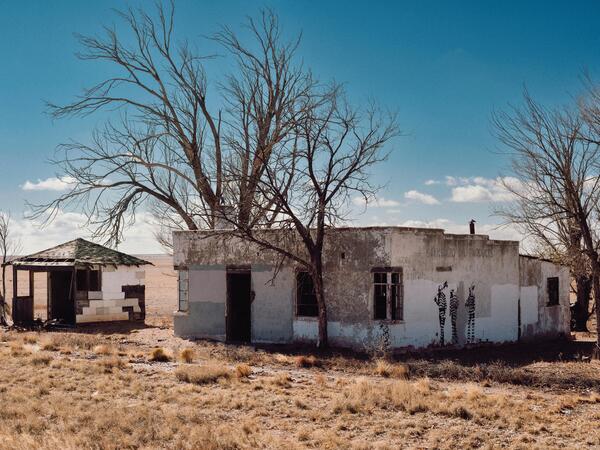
[(14, 283)]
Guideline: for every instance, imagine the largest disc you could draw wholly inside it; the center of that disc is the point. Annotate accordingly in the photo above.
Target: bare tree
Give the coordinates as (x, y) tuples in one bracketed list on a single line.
[(10, 246), (167, 149), (307, 186), (557, 199)]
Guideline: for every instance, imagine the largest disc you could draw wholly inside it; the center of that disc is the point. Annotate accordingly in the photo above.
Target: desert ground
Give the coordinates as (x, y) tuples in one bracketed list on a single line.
[(138, 386)]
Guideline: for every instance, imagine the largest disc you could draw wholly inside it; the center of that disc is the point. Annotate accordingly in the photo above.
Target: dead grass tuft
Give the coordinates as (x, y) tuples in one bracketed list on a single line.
[(388, 370), (243, 370), (110, 363), (104, 349), (160, 355), (187, 355), (307, 361), (281, 380), (41, 359), (202, 374), (49, 344)]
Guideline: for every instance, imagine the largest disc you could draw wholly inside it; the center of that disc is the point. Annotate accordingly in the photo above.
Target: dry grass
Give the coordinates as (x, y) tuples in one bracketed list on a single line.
[(160, 355), (386, 369), (214, 403), (104, 349), (243, 370), (307, 361), (206, 374), (187, 355)]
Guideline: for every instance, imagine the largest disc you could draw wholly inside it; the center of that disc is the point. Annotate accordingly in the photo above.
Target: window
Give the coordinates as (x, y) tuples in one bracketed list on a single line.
[(306, 300), (88, 280), (552, 291), (183, 285), (387, 294)]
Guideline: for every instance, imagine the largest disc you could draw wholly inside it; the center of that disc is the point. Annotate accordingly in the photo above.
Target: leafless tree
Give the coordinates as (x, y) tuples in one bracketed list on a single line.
[(10, 246), (307, 186), (557, 199), (175, 133)]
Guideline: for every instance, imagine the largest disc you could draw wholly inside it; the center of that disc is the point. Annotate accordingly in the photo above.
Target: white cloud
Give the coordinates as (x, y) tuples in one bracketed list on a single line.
[(379, 202), (431, 182), (480, 189), (421, 197), (49, 184), (139, 238)]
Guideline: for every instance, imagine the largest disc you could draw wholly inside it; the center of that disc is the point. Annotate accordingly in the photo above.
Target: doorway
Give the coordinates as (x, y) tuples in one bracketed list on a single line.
[(62, 306), (239, 302)]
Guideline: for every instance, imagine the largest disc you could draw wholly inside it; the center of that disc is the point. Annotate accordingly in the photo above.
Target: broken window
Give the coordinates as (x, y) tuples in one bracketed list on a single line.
[(183, 284), (88, 280), (552, 285), (306, 299), (387, 294)]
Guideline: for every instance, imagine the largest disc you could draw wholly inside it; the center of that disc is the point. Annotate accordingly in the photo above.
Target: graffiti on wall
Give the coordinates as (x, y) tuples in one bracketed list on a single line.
[(440, 301), (470, 306), (442, 304), (453, 314)]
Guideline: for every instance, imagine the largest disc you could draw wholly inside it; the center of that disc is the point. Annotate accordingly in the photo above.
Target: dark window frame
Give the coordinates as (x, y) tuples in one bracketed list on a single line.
[(553, 291), (306, 302), (388, 294), (88, 278)]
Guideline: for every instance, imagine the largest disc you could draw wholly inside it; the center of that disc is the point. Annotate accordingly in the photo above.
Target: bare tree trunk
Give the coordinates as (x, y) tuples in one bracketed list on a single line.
[(323, 340), (581, 308)]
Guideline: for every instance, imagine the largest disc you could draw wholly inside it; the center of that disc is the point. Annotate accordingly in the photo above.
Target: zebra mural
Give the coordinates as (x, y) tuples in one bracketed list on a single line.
[(453, 314), (470, 306), (440, 301)]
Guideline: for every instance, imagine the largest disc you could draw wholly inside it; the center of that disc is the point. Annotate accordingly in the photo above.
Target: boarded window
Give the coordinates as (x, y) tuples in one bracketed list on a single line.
[(183, 284), (306, 300), (88, 280), (552, 291), (387, 295)]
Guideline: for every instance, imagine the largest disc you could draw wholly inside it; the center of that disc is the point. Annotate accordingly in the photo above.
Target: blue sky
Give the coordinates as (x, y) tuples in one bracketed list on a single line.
[(444, 66)]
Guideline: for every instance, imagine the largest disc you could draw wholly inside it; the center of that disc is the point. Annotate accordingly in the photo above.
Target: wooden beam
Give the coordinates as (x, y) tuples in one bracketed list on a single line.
[(14, 280)]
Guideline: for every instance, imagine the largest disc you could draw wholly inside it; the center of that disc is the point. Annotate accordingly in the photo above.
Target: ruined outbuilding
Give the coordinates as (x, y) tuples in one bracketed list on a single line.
[(407, 287), (87, 283)]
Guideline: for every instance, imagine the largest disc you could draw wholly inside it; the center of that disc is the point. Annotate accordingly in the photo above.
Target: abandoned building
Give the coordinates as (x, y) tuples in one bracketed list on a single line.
[(415, 287), (86, 283)]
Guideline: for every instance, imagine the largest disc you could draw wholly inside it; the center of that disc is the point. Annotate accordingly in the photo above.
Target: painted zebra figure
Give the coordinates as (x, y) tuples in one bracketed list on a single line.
[(440, 301), (470, 306), (453, 314)]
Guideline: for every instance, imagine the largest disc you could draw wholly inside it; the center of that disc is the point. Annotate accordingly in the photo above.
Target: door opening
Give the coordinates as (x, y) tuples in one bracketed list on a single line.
[(62, 306), (239, 301)]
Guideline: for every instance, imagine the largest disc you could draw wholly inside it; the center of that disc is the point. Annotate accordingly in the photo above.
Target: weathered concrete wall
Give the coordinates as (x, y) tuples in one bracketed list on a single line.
[(273, 305), (110, 304), (427, 257), (538, 319), (207, 296)]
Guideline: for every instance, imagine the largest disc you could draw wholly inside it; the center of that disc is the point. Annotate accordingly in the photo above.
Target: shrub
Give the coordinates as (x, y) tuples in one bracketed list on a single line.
[(202, 374), (159, 355), (187, 355)]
